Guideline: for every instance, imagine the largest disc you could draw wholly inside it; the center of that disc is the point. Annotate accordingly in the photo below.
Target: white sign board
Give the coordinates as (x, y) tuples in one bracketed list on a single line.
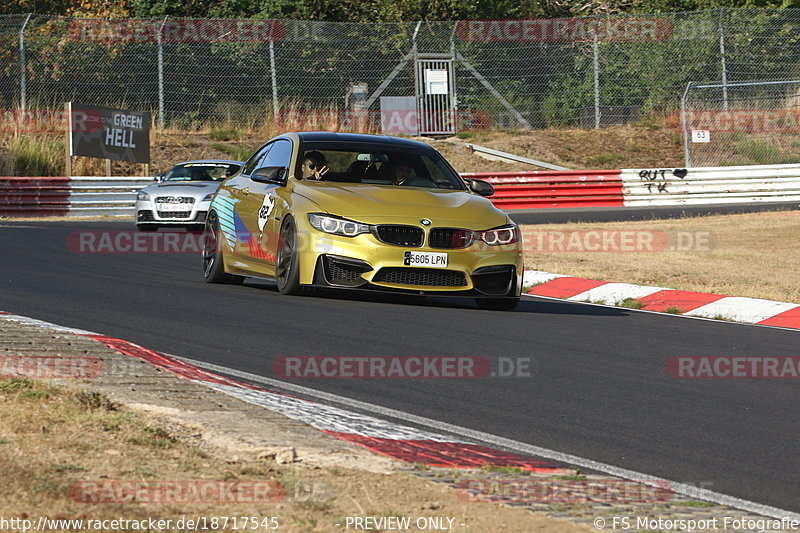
[(436, 81), (701, 136)]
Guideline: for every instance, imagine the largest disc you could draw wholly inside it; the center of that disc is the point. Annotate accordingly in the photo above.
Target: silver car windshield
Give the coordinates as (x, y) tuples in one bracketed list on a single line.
[(201, 172)]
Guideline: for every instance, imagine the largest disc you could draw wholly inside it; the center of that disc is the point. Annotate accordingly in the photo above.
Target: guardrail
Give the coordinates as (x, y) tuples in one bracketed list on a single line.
[(92, 196), (711, 185), (77, 196), (548, 189)]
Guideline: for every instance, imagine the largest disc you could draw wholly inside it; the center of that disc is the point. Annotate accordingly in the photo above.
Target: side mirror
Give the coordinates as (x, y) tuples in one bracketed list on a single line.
[(159, 177), (271, 175), (484, 188)]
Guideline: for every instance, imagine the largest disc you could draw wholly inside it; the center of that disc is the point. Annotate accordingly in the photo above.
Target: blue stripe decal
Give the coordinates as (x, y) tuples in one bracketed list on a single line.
[(241, 230), (226, 213)]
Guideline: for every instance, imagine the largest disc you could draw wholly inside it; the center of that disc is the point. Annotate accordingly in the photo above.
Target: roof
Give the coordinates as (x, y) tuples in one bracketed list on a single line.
[(211, 161), (329, 136)]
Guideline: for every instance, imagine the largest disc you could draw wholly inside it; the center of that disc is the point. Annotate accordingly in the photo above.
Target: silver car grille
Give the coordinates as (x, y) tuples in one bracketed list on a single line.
[(174, 200), (180, 215)]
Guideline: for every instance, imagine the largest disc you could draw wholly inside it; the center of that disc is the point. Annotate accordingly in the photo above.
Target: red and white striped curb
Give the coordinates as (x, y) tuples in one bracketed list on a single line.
[(405, 443), (698, 304)]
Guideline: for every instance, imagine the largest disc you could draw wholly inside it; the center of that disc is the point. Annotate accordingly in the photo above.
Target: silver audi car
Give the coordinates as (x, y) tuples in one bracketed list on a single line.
[(181, 197)]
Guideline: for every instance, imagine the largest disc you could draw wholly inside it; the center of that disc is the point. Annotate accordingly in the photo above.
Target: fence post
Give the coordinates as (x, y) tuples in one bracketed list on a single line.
[(722, 59), (596, 54), (23, 79), (454, 92), (687, 155), (275, 105), (160, 44)]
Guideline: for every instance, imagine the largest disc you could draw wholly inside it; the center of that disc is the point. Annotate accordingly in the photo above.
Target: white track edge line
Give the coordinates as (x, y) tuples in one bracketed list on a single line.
[(679, 488), (662, 313)]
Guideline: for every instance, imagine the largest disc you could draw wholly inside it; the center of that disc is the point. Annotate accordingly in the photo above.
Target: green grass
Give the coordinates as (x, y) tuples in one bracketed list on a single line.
[(608, 158), (224, 134), (15, 384), (68, 468), (695, 504), (673, 310), (651, 122), (238, 153), (35, 394), (762, 153), (91, 401), (631, 303), (504, 469), (153, 436), (37, 157), (726, 318)]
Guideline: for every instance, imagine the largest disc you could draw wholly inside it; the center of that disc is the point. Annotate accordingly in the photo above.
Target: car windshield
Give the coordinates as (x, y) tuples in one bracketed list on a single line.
[(369, 165), (202, 171)]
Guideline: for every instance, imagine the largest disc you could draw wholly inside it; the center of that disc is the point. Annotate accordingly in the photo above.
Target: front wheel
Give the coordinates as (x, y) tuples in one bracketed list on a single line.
[(287, 263), (213, 269), (497, 304)]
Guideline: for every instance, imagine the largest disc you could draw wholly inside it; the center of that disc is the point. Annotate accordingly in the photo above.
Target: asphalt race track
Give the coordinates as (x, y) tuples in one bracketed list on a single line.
[(600, 389)]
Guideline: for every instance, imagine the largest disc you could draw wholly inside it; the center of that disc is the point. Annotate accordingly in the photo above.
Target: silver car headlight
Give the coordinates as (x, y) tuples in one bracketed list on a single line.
[(337, 226), (499, 236), (208, 197), (142, 196)]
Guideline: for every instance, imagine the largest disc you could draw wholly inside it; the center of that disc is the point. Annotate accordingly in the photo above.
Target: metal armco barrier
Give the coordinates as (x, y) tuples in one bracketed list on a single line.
[(77, 196), (549, 189), (89, 196), (34, 196), (711, 185)]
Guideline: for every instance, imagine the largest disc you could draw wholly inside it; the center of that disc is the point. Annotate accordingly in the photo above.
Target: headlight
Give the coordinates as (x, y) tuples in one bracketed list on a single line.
[(337, 226), (208, 197), (141, 195), (500, 236)]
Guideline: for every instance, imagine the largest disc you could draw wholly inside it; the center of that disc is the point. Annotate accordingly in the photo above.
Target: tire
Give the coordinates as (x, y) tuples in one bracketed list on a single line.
[(213, 267), (497, 304), (287, 265), (147, 227)]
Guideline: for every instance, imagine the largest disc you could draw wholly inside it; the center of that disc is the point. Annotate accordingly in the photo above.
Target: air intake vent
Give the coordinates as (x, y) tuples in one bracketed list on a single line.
[(450, 238), (400, 235), (421, 277)]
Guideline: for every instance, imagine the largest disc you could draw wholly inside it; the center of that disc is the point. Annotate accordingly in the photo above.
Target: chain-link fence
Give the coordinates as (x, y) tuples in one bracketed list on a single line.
[(741, 123), (506, 74)]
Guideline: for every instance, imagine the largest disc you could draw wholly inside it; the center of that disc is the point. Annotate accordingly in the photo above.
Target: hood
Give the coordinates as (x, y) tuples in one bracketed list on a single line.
[(374, 204), (190, 188)]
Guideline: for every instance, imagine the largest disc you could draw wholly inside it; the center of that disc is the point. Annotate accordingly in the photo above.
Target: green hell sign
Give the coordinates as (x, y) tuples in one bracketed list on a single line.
[(117, 134)]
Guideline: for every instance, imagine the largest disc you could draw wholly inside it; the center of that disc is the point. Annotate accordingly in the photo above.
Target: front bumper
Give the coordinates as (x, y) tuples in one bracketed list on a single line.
[(146, 213), (363, 262)]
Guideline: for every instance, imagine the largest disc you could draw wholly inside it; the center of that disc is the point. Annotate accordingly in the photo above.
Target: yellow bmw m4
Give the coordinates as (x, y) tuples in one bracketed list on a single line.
[(361, 212)]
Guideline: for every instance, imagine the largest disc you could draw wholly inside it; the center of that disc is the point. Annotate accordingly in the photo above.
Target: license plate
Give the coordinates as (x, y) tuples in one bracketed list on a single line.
[(172, 208), (425, 259)]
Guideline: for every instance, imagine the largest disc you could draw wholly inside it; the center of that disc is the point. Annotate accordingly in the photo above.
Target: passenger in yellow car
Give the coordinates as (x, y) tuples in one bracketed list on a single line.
[(402, 173)]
